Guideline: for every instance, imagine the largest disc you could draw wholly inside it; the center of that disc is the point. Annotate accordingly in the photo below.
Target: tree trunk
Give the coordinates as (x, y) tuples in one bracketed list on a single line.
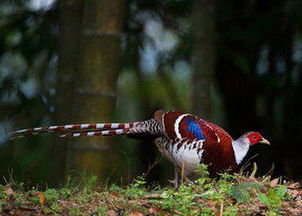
[(70, 20), (204, 58), (94, 92)]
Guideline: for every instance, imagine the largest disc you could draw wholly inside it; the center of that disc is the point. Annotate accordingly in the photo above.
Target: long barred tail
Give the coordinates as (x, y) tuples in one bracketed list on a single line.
[(114, 132), (97, 129)]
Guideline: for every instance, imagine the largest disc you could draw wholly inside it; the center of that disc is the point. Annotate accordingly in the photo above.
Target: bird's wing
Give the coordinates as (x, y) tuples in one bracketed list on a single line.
[(177, 125)]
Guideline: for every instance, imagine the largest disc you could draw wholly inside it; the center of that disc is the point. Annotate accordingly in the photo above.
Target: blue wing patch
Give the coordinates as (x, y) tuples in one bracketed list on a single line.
[(194, 128)]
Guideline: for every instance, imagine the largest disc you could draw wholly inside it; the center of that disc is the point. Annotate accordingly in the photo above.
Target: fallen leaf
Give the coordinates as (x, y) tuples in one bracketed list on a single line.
[(294, 185), (274, 182), (136, 213), (112, 213), (9, 191), (41, 198), (154, 210), (116, 194), (152, 196), (47, 210)]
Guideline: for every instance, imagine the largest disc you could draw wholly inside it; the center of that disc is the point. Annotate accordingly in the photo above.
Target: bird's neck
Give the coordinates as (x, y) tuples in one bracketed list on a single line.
[(240, 147)]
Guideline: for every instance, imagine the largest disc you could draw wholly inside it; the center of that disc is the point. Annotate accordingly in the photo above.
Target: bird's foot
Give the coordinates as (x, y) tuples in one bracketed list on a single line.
[(174, 182)]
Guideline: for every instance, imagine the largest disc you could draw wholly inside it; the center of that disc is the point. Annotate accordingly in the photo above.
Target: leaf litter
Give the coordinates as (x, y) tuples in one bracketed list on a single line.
[(228, 195)]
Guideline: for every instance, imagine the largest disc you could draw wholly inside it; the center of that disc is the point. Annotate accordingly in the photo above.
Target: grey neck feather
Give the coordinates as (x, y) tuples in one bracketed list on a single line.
[(241, 147)]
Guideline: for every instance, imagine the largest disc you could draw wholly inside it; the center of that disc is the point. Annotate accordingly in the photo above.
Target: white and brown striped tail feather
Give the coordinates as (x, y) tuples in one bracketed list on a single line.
[(96, 129), (98, 133)]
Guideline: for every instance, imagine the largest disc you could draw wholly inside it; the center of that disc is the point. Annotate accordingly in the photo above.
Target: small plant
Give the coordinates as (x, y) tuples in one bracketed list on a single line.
[(75, 211), (202, 170), (1, 204), (91, 182), (273, 199), (65, 192), (51, 195), (101, 210), (33, 199), (136, 188), (139, 182), (56, 207), (3, 195), (115, 188), (203, 173), (243, 192)]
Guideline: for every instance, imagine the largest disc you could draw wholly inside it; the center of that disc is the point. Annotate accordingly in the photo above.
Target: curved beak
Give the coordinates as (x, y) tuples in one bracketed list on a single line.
[(264, 141)]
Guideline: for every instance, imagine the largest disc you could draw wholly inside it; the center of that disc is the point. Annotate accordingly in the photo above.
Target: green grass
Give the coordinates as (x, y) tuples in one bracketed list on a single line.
[(228, 195)]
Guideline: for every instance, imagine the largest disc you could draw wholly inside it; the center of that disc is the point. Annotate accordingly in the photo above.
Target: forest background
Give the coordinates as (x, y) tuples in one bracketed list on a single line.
[(236, 63)]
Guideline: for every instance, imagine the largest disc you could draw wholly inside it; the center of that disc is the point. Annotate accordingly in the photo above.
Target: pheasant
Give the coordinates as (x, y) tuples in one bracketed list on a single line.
[(184, 139)]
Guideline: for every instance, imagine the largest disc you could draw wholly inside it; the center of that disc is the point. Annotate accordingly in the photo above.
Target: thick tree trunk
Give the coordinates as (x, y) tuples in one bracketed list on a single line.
[(204, 58), (71, 13), (94, 96), (70, 20)]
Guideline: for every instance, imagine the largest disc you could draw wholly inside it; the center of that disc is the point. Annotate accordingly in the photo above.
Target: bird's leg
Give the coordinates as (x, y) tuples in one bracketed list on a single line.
[(189, 181), (176, 178)]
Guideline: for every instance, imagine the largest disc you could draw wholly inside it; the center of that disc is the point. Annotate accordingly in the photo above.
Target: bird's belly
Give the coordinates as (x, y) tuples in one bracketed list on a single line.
[(187, 159), (182, 153)]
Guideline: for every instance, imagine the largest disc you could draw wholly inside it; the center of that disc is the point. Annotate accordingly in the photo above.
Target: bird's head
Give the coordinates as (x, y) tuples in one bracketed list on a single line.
[(254, 138), (243, 143)]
